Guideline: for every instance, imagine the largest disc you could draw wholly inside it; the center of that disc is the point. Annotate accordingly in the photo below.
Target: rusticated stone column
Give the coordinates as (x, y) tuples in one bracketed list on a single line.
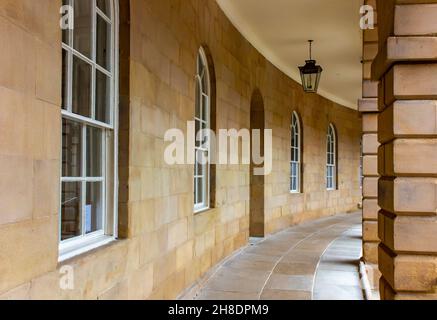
[(407, 69), (368, 107)]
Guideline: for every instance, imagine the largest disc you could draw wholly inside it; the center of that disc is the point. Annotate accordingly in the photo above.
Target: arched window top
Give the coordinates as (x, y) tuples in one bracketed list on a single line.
[(295, 124), (296, 154), (331, 158), (331, 132), (203, 72)]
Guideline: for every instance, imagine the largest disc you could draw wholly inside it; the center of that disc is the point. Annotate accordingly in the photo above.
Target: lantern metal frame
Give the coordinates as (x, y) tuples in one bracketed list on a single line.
[(310, 73)]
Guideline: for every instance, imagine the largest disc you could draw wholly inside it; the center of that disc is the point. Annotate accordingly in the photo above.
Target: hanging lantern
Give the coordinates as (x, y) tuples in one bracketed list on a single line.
[(310, 74)]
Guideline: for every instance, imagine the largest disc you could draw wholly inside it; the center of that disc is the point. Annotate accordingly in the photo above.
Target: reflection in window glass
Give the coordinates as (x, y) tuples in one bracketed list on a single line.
[(82, 35), (93, 207), (71, 221), (81, 87), (103, 99), (71, 149), (94, 152), (103, 53), (65, 82)]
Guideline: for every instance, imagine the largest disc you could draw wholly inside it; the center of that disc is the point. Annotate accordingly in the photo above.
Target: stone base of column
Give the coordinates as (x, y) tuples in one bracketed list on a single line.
[(387, 293), (370, 278)]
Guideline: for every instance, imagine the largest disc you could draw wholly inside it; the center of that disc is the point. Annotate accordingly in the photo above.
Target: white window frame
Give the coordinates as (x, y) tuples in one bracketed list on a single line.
[(86, 242), (331, 153), (295, 179), (205, 120)]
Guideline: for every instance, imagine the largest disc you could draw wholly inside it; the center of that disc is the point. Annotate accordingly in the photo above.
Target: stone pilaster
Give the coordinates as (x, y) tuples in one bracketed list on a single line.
[(368, 107), (406, 66)]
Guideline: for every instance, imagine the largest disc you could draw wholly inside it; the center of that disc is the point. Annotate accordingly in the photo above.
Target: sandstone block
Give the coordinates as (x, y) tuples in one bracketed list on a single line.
[(408, 195)]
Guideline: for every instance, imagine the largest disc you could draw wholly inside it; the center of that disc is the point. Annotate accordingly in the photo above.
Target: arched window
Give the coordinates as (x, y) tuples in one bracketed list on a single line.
[(331, 159), (202, 166), (89, 134), (296, 154)]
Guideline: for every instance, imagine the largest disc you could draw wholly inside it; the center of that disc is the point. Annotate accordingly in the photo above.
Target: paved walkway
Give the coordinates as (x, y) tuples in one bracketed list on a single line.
[(316, 260)]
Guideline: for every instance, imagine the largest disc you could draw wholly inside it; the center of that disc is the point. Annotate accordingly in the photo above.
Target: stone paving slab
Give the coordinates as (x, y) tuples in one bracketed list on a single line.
[(315, 260)]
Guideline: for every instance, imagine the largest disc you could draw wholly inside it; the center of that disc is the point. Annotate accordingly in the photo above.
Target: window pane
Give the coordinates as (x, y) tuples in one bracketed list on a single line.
[(94, 152), (71, 224), (203, 158), (65, 80), (104, 5), (198, 115), (93, 207), (200, 168), (103, 46), (298, 178), (81, 87), (195, 190), (205, 108), (205, 85), (71, 149), (200, 190), (205, 135), (195, 166), (198, 135), (82, 27), (200, 65), (103, 104)]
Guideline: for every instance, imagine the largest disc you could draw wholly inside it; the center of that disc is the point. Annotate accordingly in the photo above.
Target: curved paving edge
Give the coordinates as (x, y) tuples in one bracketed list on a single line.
[(337, 276), (285, 266)]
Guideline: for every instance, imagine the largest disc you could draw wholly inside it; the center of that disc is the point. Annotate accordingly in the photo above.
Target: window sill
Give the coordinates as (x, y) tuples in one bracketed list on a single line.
[(203, 211), (295, 192), (76, 248)]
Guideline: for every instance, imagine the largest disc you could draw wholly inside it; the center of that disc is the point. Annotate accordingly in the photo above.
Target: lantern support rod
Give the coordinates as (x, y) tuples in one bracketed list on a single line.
[(311, 48)]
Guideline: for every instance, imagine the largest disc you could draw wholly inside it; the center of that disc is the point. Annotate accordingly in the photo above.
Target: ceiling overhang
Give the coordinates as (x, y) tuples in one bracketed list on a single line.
[(279, 30)]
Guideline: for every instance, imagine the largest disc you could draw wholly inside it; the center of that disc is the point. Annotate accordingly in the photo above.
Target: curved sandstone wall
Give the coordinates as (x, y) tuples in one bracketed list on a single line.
[(164, 248)]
